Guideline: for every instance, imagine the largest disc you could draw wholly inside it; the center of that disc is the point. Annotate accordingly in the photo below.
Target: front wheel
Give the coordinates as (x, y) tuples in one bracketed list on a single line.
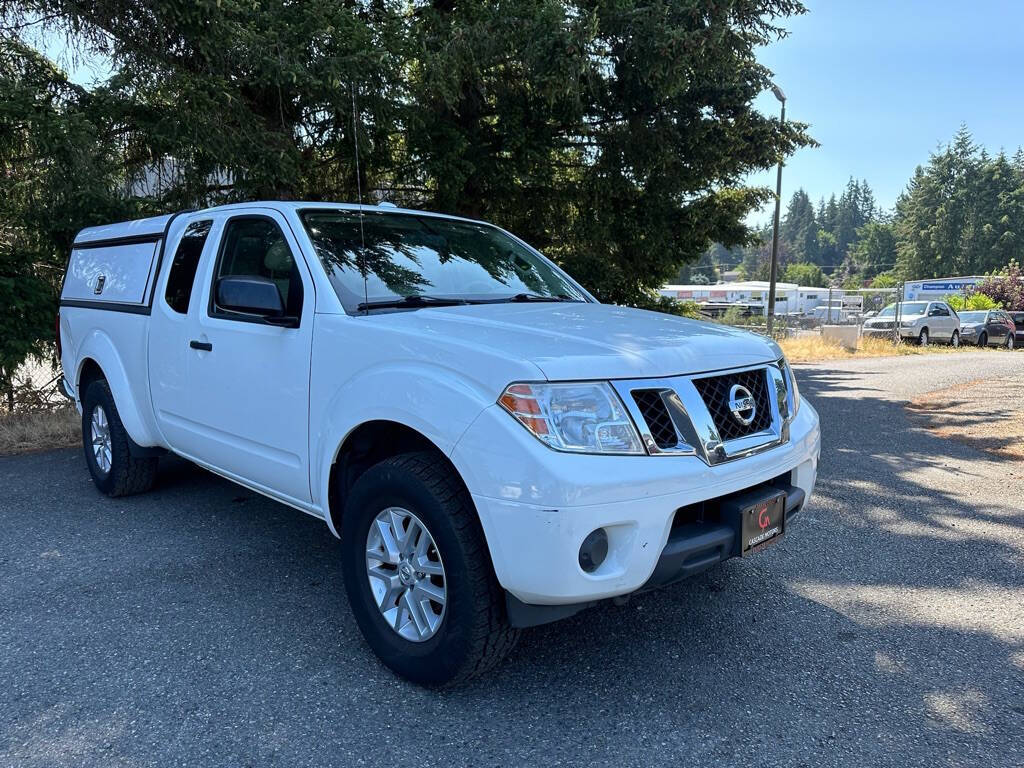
[(922, 338), (418, 574), (954, 340), (983, 340), (107, 446)]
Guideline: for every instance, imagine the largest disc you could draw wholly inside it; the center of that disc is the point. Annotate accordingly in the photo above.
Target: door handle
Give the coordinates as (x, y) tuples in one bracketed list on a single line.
[(204, 346)]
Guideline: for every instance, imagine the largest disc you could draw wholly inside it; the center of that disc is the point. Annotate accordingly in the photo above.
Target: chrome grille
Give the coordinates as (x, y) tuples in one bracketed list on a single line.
[(690, 415), (715, 392), (652, 408)]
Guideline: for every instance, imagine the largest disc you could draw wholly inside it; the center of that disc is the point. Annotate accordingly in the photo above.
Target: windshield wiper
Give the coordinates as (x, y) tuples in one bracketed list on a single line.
[(415, 301), (524, 297)]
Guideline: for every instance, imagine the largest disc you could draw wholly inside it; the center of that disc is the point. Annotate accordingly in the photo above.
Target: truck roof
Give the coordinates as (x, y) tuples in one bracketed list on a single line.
[(157, 225)]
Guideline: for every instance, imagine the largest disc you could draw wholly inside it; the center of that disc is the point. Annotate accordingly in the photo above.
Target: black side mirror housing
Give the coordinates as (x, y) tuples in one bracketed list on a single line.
[(250, 294)]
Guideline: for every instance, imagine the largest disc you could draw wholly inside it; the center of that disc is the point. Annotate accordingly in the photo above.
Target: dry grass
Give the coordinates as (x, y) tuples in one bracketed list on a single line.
[(31, 431), (813, 348), (984, 413)]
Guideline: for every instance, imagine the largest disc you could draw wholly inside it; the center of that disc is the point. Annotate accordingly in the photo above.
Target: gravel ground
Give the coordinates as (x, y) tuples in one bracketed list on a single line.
[(203, 625)]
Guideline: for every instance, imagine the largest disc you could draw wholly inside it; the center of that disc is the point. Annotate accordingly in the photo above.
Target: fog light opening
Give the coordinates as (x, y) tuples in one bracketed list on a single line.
[(594, 550)]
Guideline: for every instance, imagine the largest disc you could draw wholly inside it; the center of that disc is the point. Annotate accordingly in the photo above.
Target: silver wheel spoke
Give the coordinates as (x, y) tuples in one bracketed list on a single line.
[(102, 446), (415, 610), (387, 543), (426, 590), (429, 567), (406, 574)]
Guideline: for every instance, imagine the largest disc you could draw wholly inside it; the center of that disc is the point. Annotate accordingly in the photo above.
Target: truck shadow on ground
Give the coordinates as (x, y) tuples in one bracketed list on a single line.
[(881, 631)]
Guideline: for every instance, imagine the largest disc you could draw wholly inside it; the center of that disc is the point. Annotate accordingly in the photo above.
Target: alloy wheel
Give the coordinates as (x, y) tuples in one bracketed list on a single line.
[(406, 574), (102, 446)]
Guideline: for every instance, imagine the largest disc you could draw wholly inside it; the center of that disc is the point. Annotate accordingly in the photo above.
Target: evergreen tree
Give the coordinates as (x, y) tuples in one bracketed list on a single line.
[(614, 135), (875, 249), (799, 229)]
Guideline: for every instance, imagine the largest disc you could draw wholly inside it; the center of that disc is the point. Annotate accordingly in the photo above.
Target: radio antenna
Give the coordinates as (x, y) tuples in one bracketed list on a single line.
[(359, 194)]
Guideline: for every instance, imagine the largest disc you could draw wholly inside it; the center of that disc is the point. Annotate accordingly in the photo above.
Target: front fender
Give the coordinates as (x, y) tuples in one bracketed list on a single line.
[(100, 348), (421, 396)]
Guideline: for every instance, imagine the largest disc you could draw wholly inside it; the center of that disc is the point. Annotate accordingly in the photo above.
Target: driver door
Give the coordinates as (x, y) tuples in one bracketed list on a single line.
[(249, 411)]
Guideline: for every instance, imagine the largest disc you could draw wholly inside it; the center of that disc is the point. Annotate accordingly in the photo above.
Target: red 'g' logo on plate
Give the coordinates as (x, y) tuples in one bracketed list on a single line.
[(763, 519)]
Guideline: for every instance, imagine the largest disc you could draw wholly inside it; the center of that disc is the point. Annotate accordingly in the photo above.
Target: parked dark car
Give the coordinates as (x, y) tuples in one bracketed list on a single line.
[(1018, 319), (989, 327)]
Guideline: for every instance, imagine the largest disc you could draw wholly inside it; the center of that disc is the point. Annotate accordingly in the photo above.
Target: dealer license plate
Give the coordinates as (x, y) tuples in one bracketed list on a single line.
[(762, 524)]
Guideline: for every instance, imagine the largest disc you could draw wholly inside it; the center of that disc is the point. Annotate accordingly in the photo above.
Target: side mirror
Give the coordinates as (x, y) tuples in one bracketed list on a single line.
[(253, 295)]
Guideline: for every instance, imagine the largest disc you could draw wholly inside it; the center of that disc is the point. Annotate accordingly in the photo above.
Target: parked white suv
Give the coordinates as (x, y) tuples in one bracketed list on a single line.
[(494, 447), (920, 321)]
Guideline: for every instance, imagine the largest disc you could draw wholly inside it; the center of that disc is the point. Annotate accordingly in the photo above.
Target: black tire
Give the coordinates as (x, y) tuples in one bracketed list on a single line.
[(923, 338), (1010, 343), (474, 633), (983, 339), (127, 474), (954, 340)]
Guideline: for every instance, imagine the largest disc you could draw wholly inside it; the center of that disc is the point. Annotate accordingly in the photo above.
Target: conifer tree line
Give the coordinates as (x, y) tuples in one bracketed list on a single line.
[(614, 135), (962, 213)]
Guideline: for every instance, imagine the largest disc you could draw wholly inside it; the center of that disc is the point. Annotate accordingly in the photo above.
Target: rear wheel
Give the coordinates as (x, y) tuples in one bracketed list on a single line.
[(113, 468), (954, 340), (1010, 342), (418, 574), (983, 339)]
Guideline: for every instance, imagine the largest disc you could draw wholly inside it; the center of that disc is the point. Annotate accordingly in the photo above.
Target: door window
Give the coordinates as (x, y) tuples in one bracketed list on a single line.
[(255, 247), (183, 269)]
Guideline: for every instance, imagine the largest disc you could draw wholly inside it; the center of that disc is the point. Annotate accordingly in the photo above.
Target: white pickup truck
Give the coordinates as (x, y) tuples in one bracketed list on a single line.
[(495, 448)]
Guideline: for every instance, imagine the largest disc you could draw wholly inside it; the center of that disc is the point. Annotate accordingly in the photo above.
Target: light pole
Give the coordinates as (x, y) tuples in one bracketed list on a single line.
[(774, 272)]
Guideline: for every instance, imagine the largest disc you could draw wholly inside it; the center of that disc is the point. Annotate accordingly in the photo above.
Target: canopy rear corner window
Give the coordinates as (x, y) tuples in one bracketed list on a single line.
[(412, 261)]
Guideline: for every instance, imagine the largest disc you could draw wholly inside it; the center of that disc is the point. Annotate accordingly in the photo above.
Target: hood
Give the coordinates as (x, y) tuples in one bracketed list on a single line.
[(904, 317), (587, 341)]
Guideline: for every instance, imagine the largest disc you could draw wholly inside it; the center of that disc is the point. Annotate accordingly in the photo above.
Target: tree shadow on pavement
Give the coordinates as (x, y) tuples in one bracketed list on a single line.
[(205, 620)]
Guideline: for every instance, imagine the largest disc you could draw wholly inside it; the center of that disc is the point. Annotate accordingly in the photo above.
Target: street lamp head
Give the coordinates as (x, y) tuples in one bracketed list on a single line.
[(778, 93)]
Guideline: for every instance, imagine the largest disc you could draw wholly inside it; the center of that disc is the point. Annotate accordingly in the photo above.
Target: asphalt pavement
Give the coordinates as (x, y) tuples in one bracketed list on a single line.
[(203, 625)]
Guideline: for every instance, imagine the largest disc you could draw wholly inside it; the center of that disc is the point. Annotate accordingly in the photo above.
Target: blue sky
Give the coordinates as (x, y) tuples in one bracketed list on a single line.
[(882, 83)]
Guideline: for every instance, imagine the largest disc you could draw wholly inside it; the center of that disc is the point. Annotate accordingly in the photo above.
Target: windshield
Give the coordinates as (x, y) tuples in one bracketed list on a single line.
[(973, 317), (906, 308), (407, 255)]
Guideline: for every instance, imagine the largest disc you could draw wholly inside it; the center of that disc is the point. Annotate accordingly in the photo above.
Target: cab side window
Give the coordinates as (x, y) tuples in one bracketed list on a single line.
[(256, 247), (183, 269)]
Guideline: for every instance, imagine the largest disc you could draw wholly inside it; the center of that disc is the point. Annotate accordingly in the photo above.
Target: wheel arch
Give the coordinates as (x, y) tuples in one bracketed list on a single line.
[(368, 444), (98, 359)]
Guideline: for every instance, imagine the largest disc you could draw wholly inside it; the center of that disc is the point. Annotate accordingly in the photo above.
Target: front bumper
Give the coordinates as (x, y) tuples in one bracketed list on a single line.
[(887, 333), (536, 506)]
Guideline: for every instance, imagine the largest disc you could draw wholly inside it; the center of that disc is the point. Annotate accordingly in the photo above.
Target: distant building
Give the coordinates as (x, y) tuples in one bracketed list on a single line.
[(789, 297), (939, 287)]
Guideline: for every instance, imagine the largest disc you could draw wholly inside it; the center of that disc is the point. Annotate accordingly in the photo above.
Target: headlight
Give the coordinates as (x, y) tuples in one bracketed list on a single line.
[(907, 323), (791, 387), (581, 417)]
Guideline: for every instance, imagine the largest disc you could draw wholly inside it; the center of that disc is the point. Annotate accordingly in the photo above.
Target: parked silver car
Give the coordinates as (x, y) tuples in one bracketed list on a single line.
[(920, 321)]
